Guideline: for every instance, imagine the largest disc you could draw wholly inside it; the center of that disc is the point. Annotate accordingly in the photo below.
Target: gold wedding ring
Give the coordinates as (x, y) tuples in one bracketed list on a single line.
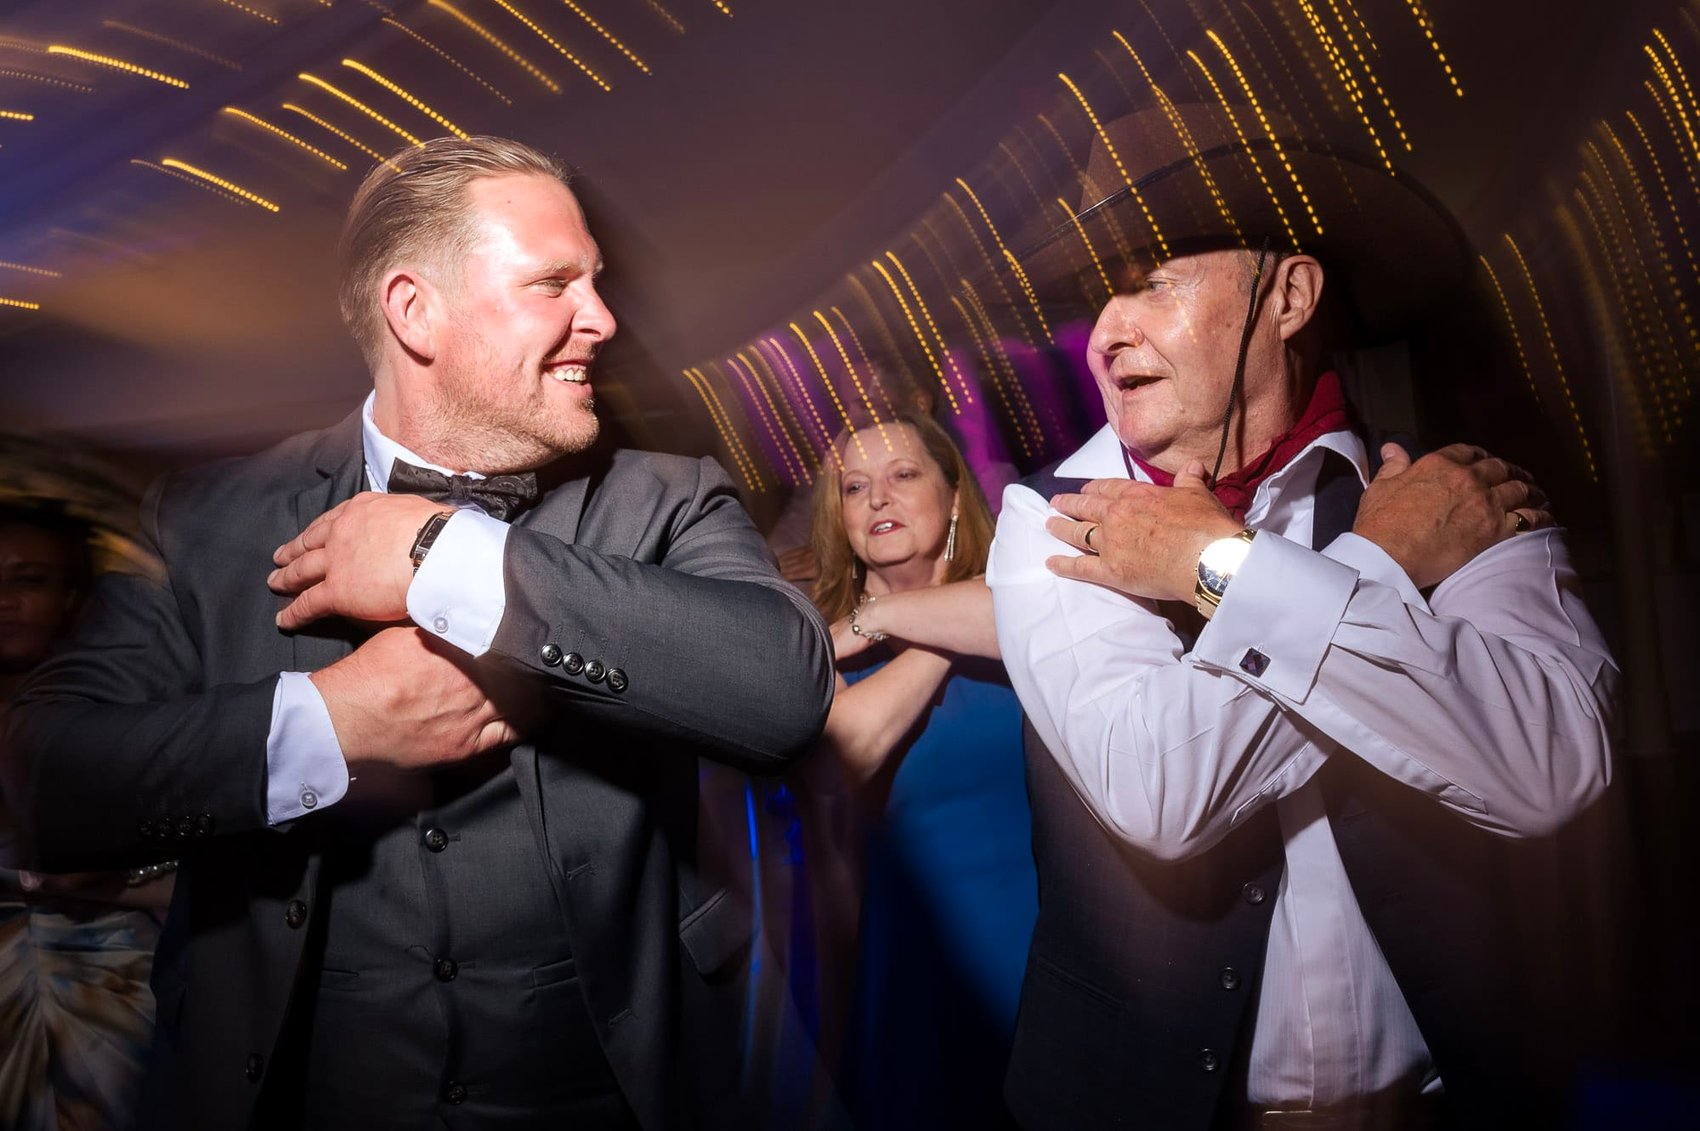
[(1519, 522), (1087, 537)]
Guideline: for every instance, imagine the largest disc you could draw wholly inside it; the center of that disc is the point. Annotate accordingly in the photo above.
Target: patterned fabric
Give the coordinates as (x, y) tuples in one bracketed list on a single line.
[(76, 1014)]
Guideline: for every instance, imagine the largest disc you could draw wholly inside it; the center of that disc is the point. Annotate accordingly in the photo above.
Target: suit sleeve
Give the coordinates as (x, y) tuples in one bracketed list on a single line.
[(115, 751), (703, 645)]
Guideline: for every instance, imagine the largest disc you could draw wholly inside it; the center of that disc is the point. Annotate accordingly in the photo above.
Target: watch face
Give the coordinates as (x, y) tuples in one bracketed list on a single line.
[(1220, 561)]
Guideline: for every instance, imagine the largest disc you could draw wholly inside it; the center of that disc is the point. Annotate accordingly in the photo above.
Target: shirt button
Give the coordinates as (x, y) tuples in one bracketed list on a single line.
[(1253, 894), (295, 914), (550, 654), (616, 680), (1208, 1060), (441, 624), (446, 970), (309, 799), (454, 1093), (255, 1066), (436, 839), (573, 663), (1230, 978), (594, 671)]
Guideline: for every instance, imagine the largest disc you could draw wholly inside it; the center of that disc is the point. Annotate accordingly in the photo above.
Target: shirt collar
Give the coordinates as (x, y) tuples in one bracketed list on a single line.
[(1101, 458), (382, 452)]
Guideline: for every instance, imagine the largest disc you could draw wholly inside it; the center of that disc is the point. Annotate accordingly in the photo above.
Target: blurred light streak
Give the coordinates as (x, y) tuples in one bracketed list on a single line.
[(672, 22), (1245, 142), (1342, 71), (892, 349), (1647, 212), (154, 36), (1605, 323), (778, 349), (23, 45), (17, 115), (826, 382), (867, 362), (1427, 26), (921, 305), (508, 7), (359, 105), (1001, 359), (499, 44), (228, 186), (1369, 73), (699, 382), (1178, 124), (986, 356), (1671, 207), (20, 303), (47, 80), (186, 178), (1620, 309), (915, 327), (396, 90), (255, 12), (45, 272), (351, 140), (850, 368), (795, 468), (992, 272), (737, 433), (1091, 252), (1268, 130), (1511, 324), (1557, 361), (1676, 135), (1015, 265), (286, 135), (447, 58), (1319, 81), (606, 34), (721, 5), (116, 64), (1092, 115), (1676, 99), (759, 365)]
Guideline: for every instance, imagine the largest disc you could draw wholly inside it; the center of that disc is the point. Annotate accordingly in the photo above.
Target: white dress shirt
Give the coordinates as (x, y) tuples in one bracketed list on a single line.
[(457, 594), (1490, 697)]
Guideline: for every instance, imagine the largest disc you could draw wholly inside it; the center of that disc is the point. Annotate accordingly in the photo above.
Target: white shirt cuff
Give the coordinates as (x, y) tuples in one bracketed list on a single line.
[(1372, 563), (1278, 617), (305, 769), (458, 594)]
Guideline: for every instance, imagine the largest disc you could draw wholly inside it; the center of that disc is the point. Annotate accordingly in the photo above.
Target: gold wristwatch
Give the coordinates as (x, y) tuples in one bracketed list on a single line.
[(1217, 565)]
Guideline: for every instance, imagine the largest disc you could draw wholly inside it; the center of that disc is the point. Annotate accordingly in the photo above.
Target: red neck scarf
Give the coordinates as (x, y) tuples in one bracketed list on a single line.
[(1326, 412)]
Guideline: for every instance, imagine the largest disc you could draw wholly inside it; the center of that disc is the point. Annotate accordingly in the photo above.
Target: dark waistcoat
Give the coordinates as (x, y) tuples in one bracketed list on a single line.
[(1141, 987)]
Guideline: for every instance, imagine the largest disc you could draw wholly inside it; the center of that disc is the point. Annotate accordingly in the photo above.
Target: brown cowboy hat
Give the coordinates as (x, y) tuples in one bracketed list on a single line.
[(1182, 178)]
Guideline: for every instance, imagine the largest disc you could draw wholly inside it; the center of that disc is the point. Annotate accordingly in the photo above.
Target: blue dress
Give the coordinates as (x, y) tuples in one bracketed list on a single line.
[(951, 898)]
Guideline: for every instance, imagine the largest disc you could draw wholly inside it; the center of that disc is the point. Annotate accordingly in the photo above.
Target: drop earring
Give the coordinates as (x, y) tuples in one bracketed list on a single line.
[(950, 539)]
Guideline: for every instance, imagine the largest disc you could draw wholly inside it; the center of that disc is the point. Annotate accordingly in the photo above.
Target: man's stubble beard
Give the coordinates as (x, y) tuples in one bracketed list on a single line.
[(496, 437)]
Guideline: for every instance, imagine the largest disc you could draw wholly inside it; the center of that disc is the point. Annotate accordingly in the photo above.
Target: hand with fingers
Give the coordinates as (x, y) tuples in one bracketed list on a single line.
[(409, 700), (1139, 538), (1433, 515), (352, 561)]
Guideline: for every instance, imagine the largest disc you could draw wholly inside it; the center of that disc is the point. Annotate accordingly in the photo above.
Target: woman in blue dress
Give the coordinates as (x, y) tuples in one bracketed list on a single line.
[(926, 733)]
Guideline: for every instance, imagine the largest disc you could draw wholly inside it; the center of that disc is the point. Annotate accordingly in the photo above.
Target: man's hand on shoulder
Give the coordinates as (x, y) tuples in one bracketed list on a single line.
[(1139, 538), (1435, 514), (352, 561), (412, 701)]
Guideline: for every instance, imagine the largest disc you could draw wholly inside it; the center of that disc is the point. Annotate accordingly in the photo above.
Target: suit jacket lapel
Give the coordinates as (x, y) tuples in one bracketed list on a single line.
[(339, 467)]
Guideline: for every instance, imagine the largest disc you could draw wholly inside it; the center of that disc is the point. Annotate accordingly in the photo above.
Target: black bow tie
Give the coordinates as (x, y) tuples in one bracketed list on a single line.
[(500, 496)]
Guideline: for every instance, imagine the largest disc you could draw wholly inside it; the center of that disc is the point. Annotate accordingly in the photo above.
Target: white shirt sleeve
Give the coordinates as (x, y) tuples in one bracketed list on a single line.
[(458, 593), (304, 764), (1493, 697), (1168, 754)]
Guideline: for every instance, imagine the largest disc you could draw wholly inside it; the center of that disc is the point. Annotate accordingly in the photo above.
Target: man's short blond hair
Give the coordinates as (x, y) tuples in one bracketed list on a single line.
[(414, 206)]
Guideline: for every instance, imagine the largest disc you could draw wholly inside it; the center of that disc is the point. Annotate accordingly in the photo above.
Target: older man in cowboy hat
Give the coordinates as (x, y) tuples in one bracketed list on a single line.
[(1290, 690)]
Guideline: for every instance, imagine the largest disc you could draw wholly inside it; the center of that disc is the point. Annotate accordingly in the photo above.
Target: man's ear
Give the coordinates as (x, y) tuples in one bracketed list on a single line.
[(1296, 293), (411, 304)]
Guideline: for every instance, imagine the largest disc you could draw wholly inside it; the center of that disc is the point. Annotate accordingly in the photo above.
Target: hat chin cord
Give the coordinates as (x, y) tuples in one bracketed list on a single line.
[(1239, 365)]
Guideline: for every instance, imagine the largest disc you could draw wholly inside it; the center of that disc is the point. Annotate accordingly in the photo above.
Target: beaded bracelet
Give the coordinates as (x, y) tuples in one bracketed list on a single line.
[(873, 637)]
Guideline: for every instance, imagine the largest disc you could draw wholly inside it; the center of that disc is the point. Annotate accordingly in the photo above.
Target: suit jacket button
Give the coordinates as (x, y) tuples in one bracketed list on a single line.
[(594, 671), (1230, 978), (550, 654), (145, 827), (1208, 1060), (616, 679), (187, 827), (573, 663), (445, 970), (165, 829), (204, 824), (255, 1066), (454, 1093), (436, 839), (1253, 894), (295, 914)]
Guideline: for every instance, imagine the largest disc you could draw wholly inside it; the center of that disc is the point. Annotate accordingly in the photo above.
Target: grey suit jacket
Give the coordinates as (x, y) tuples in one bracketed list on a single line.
[(147, 737)]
